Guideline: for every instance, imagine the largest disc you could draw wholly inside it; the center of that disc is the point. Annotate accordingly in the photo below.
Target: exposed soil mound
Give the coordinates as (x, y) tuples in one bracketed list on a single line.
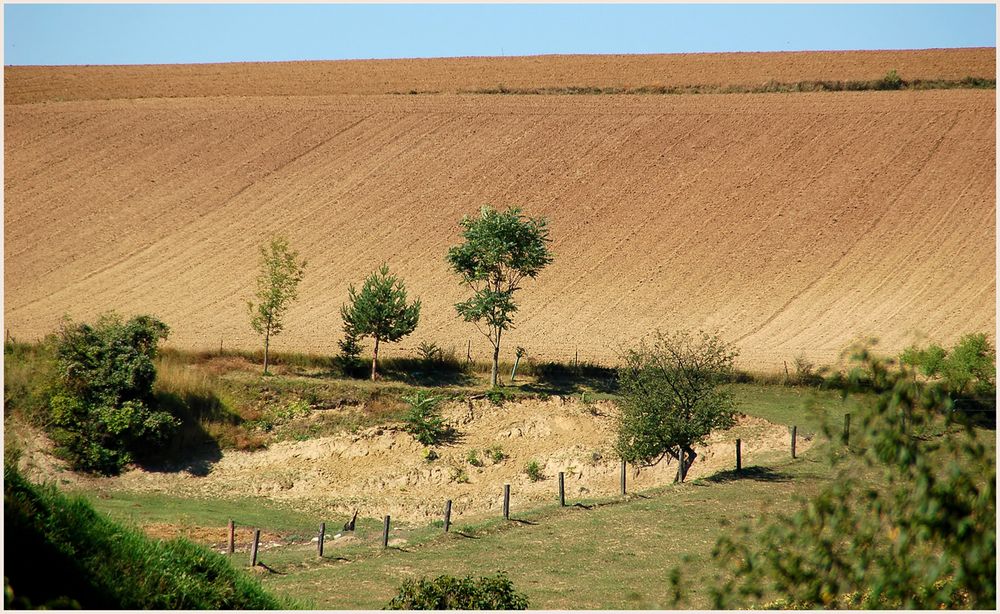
[(384, 471), (796, 223)]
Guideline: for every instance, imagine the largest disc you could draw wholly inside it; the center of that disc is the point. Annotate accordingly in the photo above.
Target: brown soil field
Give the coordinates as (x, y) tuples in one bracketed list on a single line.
[(794, 223), (383, 471), (451, 75)]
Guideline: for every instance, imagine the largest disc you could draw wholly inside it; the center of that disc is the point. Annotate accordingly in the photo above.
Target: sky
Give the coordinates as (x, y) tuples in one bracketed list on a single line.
[(189, 33)]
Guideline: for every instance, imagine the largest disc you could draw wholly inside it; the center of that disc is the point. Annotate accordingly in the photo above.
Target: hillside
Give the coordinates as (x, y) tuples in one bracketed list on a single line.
[(794, 222)]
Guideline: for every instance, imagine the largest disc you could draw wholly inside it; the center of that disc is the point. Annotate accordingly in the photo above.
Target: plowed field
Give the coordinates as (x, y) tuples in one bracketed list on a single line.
[(795, 223)]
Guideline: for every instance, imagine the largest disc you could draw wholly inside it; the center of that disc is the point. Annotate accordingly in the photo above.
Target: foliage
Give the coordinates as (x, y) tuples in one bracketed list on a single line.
[(534, 471), (473, 458), (891, 81), (924, 539), (672, 397), (967, 369), (380, 310), (495, 592), (500, 250), (495, 453), (349, 358), (431, 455), (69, 556), (496, 396), (429, 352), (277, 286), (424, 421), (100, 410)]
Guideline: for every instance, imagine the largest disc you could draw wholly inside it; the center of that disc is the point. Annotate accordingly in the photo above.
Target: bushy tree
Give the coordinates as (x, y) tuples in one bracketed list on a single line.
[(501, 249), (495, 592), (380, 311), (672, 397), (101, 410), (921, 535), (424, 421), (968, 368), (277, 286)]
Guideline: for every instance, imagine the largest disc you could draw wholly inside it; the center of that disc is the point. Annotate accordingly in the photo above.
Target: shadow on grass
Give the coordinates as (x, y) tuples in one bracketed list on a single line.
[(559, 379), (757, 474), (523, 522), (466, 535)]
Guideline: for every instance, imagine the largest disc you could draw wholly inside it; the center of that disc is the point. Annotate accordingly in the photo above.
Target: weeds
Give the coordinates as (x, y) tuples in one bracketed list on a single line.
[(534, 471)]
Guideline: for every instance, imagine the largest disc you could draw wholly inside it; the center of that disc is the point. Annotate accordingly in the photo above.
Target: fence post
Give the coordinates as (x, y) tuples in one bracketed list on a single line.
[(562, 489), (506, 501), (322, 536), (847, 429), (253, 551), (385, 532), (232, 536), (680, 467), (447, 515), (468, 352), (739, 457), (623, 477), (794, 430)]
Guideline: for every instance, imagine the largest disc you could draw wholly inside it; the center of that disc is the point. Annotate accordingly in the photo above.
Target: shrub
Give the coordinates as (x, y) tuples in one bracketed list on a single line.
[(496, 396), (449, 593), (891, 81), (423, 421), (101, 412), (429, 352), (496, 453), (473, 459), (534, 471)]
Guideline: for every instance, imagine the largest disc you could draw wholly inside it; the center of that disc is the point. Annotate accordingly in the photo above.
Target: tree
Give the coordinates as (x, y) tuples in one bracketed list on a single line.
[(501, 249), (101, 408), (277, 286), (380, 311), (909, 522), (672, 397)]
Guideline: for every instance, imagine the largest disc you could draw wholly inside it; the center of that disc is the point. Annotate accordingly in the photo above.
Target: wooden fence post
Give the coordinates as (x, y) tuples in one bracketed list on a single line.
[(794, 430), (322, 536), (253, 551), (739, 456), (623, 477), (562, 489), (385, 532), (506, 501), (847, 429), (468, 352), (232, 536), (447, 515)]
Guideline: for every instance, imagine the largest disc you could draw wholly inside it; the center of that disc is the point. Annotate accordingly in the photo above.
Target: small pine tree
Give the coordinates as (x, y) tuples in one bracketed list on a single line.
[(380, 311)]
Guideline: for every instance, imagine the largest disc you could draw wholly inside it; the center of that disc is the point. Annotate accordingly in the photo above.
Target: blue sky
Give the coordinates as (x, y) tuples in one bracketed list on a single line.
[(183, 33)]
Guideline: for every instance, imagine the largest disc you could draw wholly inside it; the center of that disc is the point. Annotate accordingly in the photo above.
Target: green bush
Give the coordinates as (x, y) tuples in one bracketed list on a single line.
[(424, 421), (69, 556), (495, 453), (891, 81), (534, 471), (102, 407), (496, 396), (473, 459), (495, 592)]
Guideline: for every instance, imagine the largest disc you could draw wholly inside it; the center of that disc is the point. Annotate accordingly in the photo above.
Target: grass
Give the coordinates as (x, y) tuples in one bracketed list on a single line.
[(70, 556), (567, 558)]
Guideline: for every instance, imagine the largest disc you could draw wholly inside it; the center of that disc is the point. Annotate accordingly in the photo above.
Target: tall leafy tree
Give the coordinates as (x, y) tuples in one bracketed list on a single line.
[(672, 397), (501, 249), (380, 311), (277, 286)]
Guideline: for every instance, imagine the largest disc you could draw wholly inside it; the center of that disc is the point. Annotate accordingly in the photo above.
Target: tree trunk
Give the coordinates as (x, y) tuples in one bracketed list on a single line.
[(374, 358), (688, 455), (267, 340), (494, 375)]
